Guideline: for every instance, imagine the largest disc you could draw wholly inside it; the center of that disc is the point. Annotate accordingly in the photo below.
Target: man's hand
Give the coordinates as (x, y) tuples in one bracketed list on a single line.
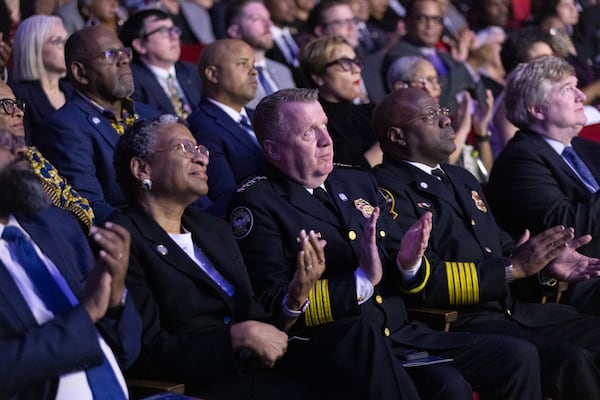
[(414, 242), (266, 342), (114, 242), (532, 254), (310, 263), (370, 262), (571, 266)]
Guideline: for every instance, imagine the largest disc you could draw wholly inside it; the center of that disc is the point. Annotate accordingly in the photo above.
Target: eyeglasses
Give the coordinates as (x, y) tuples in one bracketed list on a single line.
[(8, 141), (423, 19), (164, 31), (9, 106), (340, 22), (57, 41), (345, 63), (189, 150), (431, 80), (430, 117), (112, 56)]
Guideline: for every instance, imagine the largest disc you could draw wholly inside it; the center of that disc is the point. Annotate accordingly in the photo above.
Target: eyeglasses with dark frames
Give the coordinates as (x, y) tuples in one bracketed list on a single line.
[(189, 150), (164, 31), (424, 19), (112, 56), (10, 106), (430, 117), (8, 141), (340, 22), (345, 63)]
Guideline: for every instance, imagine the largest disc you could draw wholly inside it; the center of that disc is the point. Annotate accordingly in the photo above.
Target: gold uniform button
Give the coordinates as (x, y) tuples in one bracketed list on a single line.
[(472, 222), (352, 235), (386, 332), (382, 234), (487, 250), (378, 299)]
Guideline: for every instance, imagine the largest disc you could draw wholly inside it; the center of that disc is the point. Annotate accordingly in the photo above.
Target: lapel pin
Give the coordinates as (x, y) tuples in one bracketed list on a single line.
[(423, 185), (479, 203), (343, 196), (96, 120), (162, 249)]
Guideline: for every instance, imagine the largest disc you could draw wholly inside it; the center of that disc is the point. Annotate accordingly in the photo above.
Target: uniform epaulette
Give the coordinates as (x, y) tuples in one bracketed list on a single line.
[(340, 165), (250, 182)]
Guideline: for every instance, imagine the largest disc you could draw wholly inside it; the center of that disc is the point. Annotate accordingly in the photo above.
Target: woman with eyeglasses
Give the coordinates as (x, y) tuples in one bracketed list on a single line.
[(415, 71), (331, 65), (202, 325), (39, 69)]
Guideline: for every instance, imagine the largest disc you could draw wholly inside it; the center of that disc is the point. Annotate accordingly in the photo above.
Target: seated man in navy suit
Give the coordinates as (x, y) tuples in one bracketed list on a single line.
[(82, 134), (161, 80), (60, 311), (222, 123)]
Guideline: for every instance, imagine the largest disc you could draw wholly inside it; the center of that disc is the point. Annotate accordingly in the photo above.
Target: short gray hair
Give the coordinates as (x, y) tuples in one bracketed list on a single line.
[(28, 45), (528, 86), (403, 70), (139, 140), (268, 121)]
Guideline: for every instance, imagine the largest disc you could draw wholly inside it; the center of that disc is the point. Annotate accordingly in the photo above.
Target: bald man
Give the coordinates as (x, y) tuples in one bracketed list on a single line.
[(222, 121)]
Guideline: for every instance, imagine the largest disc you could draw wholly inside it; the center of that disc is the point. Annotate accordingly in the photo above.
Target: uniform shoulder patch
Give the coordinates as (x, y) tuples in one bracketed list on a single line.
[(250, 182), (241, 221)]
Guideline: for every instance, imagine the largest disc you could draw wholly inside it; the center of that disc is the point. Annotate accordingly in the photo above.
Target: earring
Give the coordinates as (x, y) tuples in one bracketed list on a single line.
[(147, 184)]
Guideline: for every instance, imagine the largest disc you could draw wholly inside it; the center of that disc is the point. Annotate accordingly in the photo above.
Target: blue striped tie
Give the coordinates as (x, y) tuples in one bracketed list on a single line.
[(101, 379)]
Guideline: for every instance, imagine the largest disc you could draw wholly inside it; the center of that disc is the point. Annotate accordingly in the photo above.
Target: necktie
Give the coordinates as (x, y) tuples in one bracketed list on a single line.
[(579, 166), (440, 175), (101, 379), (437, 62), (264, 82), (324, 197), (177, 100), (247, 126)]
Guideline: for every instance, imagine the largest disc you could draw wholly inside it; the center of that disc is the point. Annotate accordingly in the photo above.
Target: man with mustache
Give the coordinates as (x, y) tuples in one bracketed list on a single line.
[(83, 133), (60, 308), (470, 263)]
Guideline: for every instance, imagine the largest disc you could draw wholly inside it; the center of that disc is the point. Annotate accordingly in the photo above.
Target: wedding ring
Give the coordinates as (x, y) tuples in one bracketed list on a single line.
[(308, 268)]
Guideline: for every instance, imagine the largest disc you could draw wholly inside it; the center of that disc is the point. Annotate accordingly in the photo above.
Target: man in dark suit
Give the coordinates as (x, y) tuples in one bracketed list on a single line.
[(250, 21), (59, 309), (82, 134), (535, 182), (222, 123), (161, 80), (424, 26), (303, 190), (470, 261)]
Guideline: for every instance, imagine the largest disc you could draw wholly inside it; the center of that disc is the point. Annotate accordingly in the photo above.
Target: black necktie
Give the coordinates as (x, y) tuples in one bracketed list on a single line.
[(439, 174), (101, 379), (324, 197)]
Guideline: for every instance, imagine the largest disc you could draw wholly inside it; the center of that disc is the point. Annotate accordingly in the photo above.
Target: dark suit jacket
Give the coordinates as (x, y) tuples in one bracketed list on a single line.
[(37, 106), (233, 154), (149, 91), (186, 316), (457, 80), (33, 356), (267, 214), (79, 142), (464, 232), (532, 187)]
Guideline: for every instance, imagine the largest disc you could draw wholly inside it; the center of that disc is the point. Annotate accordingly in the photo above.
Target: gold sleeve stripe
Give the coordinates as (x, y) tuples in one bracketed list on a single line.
[(319, 310), (420, 287), (463, 283)]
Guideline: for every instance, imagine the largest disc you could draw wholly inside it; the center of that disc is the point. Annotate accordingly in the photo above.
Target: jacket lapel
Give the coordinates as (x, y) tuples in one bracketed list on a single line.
[(96, 120), (231, 127)]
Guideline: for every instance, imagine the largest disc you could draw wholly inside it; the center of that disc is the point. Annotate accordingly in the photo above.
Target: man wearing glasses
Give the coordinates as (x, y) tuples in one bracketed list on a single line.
[(82, 134), (424, 27), (470, 263), (161, 80)]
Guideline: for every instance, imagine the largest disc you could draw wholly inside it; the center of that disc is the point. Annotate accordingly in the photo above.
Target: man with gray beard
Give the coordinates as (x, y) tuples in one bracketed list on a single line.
[(82, 134), (60, 308)]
